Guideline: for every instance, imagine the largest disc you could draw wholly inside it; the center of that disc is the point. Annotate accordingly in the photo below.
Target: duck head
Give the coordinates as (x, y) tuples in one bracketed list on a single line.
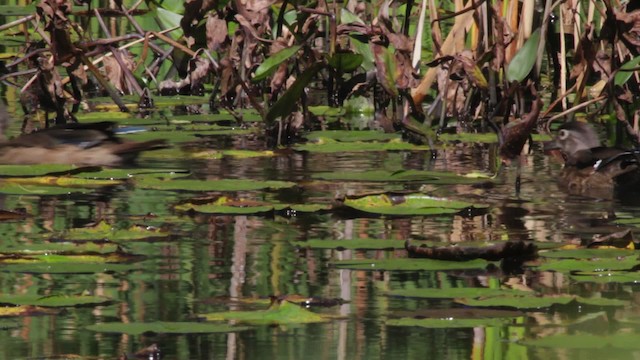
[(576, 141)]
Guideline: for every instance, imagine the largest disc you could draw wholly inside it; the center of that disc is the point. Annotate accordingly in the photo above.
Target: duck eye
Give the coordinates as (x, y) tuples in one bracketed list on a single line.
[(563, 134)]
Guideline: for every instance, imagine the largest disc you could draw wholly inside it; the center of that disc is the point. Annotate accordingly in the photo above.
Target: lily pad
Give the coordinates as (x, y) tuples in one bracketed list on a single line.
[(211, 185), (352, 135), (129, 173), (409, 264), (241, 154), (605, 277), (63, 181), (68, 258), (66, 268), (104, 230), (590, 265), (331, 146), (587, 253), (225, 205), (621, 340), (39, 190), (34, 170), (446, 293), (429, 177), (485, 138), (518, 302), (449, 323), (54, 300), (405, 204), (25, 310), (57, 248), (357, 244), (164, 327), (282, 312)]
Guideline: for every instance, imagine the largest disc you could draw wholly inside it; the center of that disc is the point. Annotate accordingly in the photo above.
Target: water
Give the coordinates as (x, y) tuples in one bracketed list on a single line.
[(220, 262)]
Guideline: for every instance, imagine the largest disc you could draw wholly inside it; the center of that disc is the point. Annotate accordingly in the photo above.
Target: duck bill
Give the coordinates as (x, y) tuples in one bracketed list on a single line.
[(550, 146)]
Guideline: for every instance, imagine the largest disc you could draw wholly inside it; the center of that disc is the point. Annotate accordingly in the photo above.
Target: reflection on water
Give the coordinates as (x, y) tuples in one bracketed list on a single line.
[(216, 263)]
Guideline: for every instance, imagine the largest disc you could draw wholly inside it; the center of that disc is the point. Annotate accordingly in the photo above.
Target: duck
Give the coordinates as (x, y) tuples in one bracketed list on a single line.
[(90, 144), (591, 169)]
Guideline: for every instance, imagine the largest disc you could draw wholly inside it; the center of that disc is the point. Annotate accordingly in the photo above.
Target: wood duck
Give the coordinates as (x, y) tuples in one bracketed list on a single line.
[(592, 169), (93, 144)]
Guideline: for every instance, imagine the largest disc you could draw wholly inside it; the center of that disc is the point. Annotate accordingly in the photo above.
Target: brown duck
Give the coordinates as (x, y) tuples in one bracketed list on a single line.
[(591, 169), (94, 144)]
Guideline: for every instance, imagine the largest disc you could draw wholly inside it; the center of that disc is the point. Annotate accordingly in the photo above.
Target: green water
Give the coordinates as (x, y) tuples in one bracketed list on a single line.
[(216, 263)]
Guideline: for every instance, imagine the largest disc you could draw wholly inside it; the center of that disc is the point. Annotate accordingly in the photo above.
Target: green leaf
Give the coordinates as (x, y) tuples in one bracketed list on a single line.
[(602, 265), (347, 17), (448, 323), (356, 244), (352, 135), (35, 170), (425, 177), (330, 146), (103, 230), (619, 340), (283, 312), (532, 301), (270, 64), (54, 300), (522, 63), (345, 62), (409, 264), (625, 71), (451, 293), (405, 204), (286, 104), (163, 327), (211, 185)]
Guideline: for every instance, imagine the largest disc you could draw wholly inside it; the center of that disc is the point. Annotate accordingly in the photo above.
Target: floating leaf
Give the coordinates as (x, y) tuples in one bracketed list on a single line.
[(532, 301), (330, 146), (357, 244), (269, 65), (242, 154), (129, 173), (164, 327), (351, 135), (63, 181), (430, 177), (283, 312), (590, 265), (25, 189), (225, 205), (54, 300), (484, 138), (449, 323), (103, 230), (587, 253), (35, 170), (409, 264), (405, 204), (66, 268), (58, 247), (619, 340), (606, 277), (211, 185), (450, 293), (68, 258), (24, 310), (327, 111), (522, 63)]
